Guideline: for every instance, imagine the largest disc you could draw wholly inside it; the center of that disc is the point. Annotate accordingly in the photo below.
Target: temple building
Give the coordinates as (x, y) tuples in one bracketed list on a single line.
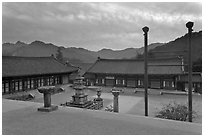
[(25, 73), (165, 73)]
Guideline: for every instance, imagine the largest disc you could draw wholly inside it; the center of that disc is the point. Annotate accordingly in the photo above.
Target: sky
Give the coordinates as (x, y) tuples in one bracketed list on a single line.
[(99, 25)]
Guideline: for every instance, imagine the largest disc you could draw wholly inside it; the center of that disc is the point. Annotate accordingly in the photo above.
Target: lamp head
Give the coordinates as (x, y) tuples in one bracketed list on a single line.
[(145, 29), (189, 24)]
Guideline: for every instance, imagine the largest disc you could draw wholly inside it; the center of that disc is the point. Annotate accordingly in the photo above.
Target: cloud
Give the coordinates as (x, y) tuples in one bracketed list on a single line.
[(97, 25), (160, 12)]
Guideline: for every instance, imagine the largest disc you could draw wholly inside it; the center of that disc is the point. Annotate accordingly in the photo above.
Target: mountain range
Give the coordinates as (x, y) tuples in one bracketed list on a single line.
[(72, 54), (81, 55), (180, 46)]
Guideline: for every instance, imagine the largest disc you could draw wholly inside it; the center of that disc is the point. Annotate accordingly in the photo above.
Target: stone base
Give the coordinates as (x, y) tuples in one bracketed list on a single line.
[(82, 105), (95, 105), (98, 99), (48, 109)]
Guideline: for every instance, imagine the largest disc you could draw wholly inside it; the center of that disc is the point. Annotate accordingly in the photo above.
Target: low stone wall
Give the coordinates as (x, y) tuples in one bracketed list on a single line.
[(97, 105)]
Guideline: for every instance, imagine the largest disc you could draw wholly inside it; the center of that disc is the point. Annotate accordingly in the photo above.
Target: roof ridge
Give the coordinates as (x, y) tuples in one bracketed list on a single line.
[(26, 57), (73, 65), (64, 63), (92, 65), (152, 59), (133, 66)]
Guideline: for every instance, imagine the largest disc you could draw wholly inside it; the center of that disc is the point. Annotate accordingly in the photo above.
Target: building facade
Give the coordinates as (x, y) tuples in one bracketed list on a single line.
[(196, 82), (162, 73), (25, 73)]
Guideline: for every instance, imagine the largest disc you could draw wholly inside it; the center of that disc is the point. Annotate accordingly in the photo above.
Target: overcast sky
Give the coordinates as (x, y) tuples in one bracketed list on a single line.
[(97, 25)]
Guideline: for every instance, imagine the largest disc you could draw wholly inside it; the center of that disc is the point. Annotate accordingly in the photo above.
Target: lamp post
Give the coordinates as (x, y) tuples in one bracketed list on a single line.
[(189, 25), (146, 29)]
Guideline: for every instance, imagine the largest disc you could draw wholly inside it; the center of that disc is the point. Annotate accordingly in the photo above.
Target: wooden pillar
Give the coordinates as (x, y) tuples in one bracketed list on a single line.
[(10, 86), (23, 84), (30, 82), (60, 79), (44, 81), (3, 85), (161, 83), (175, 82)]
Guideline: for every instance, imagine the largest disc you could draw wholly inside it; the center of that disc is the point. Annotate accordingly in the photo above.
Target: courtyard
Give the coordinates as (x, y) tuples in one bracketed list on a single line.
[(129, 102), (22, 117)]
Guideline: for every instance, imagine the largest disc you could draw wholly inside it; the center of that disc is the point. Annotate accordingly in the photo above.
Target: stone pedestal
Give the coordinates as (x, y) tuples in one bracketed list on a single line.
[(47, 91), (115, 100)]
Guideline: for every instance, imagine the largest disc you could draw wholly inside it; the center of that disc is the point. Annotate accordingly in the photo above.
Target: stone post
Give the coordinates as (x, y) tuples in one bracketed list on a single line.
[(47, 91), (47, 99), (115, 100)]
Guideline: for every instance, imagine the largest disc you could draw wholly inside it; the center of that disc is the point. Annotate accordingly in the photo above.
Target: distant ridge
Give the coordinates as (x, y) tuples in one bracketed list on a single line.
[(73, 54), (81, 55), (181, 44)]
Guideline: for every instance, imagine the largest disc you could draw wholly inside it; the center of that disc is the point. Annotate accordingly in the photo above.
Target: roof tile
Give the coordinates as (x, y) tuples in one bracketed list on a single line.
[(26, 66), (132, 66)]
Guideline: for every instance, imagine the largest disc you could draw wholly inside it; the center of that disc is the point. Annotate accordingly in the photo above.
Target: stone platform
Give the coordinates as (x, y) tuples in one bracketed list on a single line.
[(21, 118)]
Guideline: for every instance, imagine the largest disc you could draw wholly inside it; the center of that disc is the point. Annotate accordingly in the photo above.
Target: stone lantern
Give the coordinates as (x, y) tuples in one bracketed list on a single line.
[(115, 93), (99, 90), (97, 101)]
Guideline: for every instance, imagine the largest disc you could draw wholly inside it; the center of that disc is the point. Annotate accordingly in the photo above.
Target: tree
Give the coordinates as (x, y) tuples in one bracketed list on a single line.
[(151, 55), (59, 55), (139, 56)]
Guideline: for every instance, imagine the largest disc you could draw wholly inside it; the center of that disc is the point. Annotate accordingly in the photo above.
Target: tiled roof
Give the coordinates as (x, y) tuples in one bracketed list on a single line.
[(26, 66), (132, 66), (83, 67)]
